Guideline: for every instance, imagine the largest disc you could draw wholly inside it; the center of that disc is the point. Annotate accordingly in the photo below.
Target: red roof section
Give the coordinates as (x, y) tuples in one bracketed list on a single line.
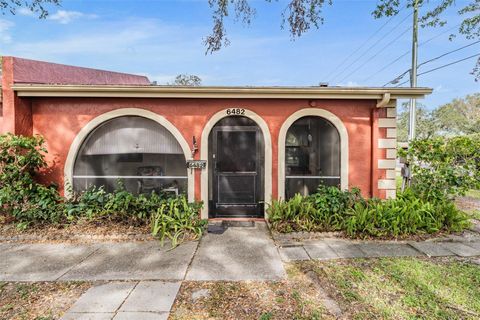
[(40, 72)]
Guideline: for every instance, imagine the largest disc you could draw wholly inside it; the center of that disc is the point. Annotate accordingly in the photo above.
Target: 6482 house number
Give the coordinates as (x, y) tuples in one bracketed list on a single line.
[(235, 112)]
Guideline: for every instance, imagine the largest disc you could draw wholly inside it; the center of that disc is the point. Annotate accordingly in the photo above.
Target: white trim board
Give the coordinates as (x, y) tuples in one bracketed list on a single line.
[(342, 130), (95, 122)]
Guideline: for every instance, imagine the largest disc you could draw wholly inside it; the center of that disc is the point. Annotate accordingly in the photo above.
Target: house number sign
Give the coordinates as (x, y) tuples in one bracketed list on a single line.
[(196, 164), (235, 112)]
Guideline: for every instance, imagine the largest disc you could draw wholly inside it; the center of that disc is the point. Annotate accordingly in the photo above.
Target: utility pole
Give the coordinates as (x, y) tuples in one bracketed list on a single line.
[(413, 72)]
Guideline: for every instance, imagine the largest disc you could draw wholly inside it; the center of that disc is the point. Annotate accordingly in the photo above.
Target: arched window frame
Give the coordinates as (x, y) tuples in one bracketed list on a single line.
[(97, 121), (316, 112)]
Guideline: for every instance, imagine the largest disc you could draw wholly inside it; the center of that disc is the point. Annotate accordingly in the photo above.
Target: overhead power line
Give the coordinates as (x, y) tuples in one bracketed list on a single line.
[(398, 78), (361, 46), (370, 48), (441, 67), (376, 54), (407, 52)]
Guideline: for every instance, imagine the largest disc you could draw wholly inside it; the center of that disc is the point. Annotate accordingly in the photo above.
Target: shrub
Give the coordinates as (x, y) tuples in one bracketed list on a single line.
[(173, 218), (331, 209), (322, 211), (444, 168), (177, 220), (405, 215), (20, 195)]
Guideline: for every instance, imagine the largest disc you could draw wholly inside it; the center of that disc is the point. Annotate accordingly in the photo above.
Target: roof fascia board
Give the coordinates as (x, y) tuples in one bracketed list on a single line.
[(217, 92)]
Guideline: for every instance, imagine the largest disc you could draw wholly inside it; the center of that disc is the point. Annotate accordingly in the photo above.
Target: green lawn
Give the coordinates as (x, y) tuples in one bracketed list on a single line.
[(401, 288), (387, 288), (474, 194)]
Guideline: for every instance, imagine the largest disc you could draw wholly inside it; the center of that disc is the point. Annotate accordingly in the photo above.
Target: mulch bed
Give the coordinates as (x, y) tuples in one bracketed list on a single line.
[(80, 232)]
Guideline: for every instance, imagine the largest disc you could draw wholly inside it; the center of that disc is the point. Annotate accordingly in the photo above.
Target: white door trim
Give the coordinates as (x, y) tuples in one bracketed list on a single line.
[(342, 130), (204, 155), (95, 122)]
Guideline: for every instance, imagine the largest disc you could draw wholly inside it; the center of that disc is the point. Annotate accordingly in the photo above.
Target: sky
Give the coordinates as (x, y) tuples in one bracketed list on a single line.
[(162, 39)]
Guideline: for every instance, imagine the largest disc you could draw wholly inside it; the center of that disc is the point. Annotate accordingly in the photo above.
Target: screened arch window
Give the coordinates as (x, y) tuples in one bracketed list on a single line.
[(312, 156), (138, 151)]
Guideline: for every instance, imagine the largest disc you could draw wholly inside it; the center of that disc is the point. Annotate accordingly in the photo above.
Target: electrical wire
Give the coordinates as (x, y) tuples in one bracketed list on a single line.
[(441, 67), (376, 54), (362, 45), (371, 47), (407, 52), (430, 60)]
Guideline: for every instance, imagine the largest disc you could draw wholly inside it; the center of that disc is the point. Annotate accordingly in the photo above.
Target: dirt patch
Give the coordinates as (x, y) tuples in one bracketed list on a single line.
[(38, 300), (79, 232), (295, 298)]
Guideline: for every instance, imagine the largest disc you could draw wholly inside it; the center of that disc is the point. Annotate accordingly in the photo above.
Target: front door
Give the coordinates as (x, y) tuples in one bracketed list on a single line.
[(237, 172)]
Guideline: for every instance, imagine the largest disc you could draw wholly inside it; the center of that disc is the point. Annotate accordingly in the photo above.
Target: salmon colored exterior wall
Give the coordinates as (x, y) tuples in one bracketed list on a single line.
[(60, 119)]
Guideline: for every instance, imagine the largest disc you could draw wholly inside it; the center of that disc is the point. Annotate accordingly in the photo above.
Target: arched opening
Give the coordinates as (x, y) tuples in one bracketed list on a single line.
[(236, 157), (144, 155), (312, 156)]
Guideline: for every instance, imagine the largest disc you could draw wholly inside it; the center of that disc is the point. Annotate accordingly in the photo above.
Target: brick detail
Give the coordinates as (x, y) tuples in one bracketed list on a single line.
[(391, 133), (391, 112), (386, 164), (391, 194), (391, 153), (387, 123), (387, 184), (387, 143), (391, 174)]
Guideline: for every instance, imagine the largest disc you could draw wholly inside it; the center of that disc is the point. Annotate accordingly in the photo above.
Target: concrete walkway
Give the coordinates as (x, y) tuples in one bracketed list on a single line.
[(327, 249), (125, 300), (145, 278), (246, 253)]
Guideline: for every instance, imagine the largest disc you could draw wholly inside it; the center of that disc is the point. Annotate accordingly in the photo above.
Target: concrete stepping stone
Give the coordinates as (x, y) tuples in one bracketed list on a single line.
[(376, 250), (345, 249), (141, 316), (237, 254), (320, 251), (103, 298), (151, 296), (134, 261), (461, 249), (293, 253), (431, 249), (40, 261), (88, 316)]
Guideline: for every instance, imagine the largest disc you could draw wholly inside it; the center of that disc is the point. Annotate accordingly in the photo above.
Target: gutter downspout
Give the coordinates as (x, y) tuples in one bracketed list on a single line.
[(374, 143)]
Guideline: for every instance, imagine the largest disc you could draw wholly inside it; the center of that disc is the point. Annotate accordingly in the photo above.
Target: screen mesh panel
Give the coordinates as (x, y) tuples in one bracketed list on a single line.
[(312, 156), (139, 152)]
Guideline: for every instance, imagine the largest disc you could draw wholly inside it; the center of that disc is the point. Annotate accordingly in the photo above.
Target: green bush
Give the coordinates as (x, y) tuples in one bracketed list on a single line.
[(177, 220), (323, 211), (443, 168), (331, 209), (119, 205), (405, 215), (173, 218), (20, 195)]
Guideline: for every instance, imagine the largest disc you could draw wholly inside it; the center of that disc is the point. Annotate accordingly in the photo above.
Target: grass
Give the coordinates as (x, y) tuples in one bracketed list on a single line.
[(401, 288), (39, 300), (387, 288), (473, 194), (470, 203)]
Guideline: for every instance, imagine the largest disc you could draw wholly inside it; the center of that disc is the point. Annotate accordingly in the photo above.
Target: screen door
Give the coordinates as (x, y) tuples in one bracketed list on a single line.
[(237, 172)]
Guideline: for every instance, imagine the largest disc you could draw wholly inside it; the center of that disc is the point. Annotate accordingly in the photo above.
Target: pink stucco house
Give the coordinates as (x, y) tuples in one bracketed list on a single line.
[(235, 148)]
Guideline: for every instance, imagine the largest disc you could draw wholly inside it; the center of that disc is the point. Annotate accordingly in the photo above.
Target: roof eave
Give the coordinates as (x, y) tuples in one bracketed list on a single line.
[(29, 90)]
